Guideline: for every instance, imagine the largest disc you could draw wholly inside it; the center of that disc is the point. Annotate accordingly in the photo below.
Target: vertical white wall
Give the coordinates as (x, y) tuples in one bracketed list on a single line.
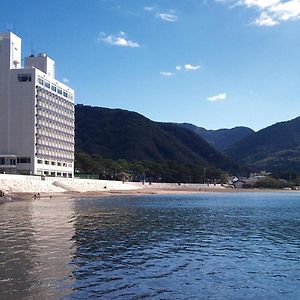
[(42, 62), (23, 115), (10, 58)]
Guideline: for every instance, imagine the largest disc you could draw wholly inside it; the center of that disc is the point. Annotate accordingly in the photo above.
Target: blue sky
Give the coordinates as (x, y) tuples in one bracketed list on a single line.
[(214, 63)]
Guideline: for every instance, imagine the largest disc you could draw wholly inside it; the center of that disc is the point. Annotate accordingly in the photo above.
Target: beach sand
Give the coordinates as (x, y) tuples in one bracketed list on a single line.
[(17, 187)]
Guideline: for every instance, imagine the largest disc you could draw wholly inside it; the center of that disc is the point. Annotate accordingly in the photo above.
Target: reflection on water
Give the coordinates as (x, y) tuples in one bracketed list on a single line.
[(163, 247), (35, 249)]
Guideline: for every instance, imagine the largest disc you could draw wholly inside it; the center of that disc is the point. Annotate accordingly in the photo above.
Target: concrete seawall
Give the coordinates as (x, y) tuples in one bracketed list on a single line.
[(11, 184)]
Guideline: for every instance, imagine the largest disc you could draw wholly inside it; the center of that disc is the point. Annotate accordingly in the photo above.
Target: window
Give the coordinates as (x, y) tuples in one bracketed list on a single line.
[(12, 162), (40, 81), (46, 162), (65, 94), (23, 160), (59, 90), (53, 174), (58, 174), (24, 77), (59, 164), (39, 161), (53, 163), (53, 88), (47, 84), (2, 161)]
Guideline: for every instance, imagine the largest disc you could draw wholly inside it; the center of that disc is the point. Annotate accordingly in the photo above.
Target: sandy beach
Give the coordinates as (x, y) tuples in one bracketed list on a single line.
[(17, 187)]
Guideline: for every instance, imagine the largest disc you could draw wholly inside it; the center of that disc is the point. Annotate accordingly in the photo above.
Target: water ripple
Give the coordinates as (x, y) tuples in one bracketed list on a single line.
[(152, 247)]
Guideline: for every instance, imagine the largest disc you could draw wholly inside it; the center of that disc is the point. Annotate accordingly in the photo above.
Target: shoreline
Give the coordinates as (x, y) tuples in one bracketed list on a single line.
[(22, 187), (21, 196)]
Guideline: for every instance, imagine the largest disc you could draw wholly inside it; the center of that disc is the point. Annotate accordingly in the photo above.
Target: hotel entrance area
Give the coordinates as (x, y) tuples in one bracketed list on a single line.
[(8, 164)]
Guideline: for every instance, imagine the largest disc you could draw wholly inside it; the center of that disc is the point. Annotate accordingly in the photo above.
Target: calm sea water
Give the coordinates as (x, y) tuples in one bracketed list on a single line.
[(210, 246)]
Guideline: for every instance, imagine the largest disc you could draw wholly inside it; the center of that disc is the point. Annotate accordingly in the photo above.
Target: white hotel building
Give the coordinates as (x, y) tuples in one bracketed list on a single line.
[(36, 114)]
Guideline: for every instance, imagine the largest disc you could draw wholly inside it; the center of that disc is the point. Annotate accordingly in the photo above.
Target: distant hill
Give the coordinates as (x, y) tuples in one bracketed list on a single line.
[(121, 134), (222, 138), (274, 148)]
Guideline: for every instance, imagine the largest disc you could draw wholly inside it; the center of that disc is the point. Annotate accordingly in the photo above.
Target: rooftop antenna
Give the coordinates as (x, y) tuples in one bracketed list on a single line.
[(10, 27), (32, 51)]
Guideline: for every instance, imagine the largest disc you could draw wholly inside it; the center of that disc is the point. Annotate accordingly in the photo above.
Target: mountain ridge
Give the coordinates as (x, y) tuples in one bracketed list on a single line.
[(274, 147), (221, 138), (122, 134)]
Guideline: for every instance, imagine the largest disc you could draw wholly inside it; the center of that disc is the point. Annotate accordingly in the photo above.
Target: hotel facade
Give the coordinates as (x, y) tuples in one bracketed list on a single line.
[(36, 114)]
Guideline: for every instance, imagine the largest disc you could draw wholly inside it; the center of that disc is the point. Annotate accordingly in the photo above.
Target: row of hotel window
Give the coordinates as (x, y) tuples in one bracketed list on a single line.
[(54, 88), (54, 174), (51, 106), (65, 104), (58, 136), (54, 163), (58, 154), (47, 84), (14, 161), (55, 125), (55, 117), (55, 144)]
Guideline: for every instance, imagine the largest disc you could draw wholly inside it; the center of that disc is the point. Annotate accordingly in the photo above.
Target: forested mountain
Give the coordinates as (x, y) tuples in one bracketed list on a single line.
[(222, 138), (119, 134), (274, 148), (203, 148)]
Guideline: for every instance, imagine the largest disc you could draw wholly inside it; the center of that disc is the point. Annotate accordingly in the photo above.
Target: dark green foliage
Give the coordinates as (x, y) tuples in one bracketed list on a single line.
[(191, 140), (151, 171), (272, 183), (222, 138), (275, 148), (164, 149)]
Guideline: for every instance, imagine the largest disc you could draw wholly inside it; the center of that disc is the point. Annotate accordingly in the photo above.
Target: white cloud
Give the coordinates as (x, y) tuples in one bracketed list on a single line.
[(66, 80), (191, 67), (117, 40), (216, 98), (179, 68), (149, 8), (168, 17), (259, 3), (167, 74), (271, 12), (287, 10), (265, 20)]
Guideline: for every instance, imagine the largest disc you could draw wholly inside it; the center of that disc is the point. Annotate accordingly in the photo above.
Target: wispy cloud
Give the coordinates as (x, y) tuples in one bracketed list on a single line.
[(180, 68), (216, 98), (117, 40), (149, 8), (66, 80), (189, 67), (167, 74), (168, 17), (265, 20), (164, 15), (271, 12)]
